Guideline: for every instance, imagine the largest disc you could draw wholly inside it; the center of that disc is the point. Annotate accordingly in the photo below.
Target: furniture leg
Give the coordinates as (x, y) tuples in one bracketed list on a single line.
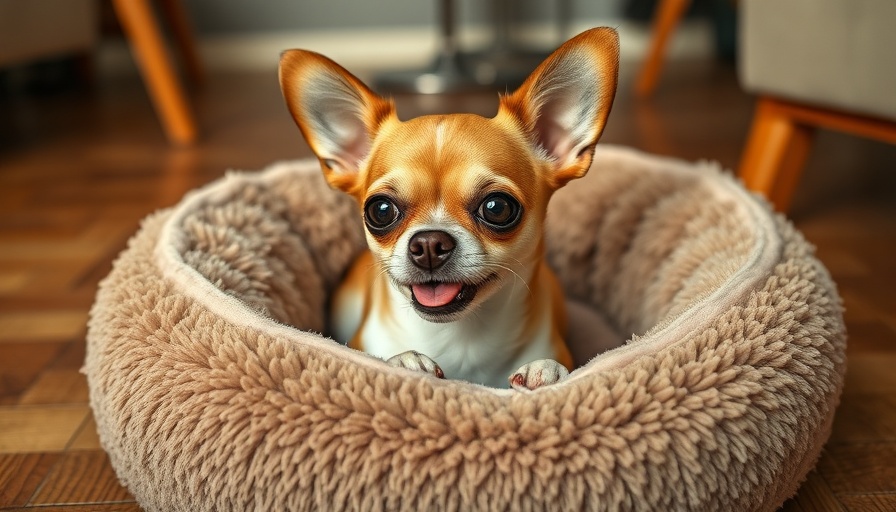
[(142, 29), (177, 19), (668, 15), (775, 153)]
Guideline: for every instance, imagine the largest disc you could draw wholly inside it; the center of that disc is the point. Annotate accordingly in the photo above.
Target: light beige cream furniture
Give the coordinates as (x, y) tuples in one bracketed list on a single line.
[(813, 64)]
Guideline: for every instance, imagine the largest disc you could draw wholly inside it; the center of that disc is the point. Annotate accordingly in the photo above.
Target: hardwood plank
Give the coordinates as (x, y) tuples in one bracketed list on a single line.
[(861, 468), (815, 495), (861, 222), (865, 418), (858, 308), (87, 437), (39, 429), (47, 223), (21, 474), (80, 243), (13, 281), (71, 357), (21, 364), (57, 387), (884, 301), (41, 326), (81, 477), (843, 262), (871, 336), (49, 290), (881, 264), (90, 277), (869, 502), (870, 373), (69, 250), (792, 505)]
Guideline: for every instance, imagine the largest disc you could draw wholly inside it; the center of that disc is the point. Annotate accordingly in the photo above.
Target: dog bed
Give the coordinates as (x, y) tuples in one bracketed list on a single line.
[(212, 389)]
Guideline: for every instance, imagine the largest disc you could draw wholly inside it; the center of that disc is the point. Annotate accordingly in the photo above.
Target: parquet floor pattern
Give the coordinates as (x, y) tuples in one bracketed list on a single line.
[(80, 168)]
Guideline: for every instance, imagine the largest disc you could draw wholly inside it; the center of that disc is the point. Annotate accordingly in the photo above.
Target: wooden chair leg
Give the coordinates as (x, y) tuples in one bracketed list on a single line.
[(177, 19), (775, 153), (667, 16), (142, 29)]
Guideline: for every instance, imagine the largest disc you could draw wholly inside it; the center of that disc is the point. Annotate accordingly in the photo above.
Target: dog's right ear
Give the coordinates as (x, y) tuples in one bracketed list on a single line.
[(336, 112)]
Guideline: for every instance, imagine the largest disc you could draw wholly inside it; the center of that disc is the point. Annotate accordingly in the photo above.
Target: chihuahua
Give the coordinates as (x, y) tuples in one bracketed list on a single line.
[(455, 281)]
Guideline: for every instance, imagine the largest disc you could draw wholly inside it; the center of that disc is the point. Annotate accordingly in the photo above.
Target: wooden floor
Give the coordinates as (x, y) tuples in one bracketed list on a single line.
[(79, 169)]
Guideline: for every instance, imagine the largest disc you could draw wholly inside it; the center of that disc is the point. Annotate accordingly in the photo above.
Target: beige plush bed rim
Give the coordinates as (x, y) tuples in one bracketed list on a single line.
[(213, 391)]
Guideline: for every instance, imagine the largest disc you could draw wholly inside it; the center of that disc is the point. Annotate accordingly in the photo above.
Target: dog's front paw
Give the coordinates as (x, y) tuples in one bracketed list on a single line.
[(536, 374), (413, 360)]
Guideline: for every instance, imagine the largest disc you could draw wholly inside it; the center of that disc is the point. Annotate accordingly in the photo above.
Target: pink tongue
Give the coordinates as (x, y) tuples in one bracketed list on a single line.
[(433, 296)]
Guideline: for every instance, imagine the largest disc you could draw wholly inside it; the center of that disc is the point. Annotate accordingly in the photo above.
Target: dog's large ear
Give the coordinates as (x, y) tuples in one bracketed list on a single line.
[(336, 112), (564, 103)]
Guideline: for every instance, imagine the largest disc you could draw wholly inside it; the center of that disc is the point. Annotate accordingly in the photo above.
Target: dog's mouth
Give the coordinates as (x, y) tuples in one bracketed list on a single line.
[(441, 299)]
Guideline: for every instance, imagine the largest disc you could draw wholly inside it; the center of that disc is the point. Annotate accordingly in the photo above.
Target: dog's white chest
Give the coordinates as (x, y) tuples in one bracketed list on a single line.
[(485, 347)]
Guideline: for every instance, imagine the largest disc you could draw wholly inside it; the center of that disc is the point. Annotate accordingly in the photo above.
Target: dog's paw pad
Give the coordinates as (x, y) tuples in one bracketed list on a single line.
[(413, 360), (536, 374)]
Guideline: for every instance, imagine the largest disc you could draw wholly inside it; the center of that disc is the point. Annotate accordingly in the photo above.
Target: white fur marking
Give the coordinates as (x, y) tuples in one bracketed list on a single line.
[(477, 348), (440, 139)]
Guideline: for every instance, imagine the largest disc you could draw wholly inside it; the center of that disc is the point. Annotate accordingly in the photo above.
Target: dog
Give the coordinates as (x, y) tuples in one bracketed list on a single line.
[(455, 281)]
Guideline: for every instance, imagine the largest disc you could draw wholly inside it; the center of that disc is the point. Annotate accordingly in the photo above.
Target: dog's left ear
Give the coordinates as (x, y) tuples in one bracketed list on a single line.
[(564, 103)]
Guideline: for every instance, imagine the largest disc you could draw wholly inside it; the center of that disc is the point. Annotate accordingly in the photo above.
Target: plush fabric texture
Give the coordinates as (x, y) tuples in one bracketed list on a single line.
[(212, 390)]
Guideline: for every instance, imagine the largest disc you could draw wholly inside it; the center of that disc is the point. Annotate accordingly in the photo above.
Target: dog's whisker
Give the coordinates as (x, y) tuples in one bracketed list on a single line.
[(507, 268)]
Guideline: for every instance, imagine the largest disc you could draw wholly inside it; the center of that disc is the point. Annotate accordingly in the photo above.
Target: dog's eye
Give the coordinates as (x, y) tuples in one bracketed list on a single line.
[(499, 211), (380, 214)]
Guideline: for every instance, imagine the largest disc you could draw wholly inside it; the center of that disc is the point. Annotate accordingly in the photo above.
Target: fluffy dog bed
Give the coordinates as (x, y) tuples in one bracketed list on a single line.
[(212, 390)]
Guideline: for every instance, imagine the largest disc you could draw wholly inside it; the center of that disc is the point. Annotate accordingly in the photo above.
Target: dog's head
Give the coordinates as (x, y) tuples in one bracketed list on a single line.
[(454, 205)]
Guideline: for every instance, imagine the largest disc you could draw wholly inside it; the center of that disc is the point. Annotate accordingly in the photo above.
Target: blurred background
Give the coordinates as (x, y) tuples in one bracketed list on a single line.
[(370, 36), (113, 109)]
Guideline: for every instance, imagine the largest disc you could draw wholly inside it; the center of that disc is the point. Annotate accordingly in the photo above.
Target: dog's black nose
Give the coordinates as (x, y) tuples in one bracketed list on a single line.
[(430, 250)]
